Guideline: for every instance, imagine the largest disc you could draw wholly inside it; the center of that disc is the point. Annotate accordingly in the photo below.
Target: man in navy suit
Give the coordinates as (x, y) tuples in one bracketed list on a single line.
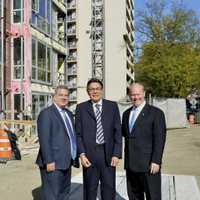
[(144, 129), (99, 141), (58, 150)]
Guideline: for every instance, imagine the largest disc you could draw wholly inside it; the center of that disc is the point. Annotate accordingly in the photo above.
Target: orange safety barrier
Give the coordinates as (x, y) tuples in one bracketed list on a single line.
[(5, 146)]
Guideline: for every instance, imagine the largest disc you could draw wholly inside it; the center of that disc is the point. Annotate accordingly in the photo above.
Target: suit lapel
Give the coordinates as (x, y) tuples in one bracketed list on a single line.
[(90, 110), (105, 109), (127, 119), (55, 110)]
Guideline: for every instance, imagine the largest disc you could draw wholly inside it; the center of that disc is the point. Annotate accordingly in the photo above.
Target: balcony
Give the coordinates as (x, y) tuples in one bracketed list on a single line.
[(72, 45), (71, 19), (71, 72), (72, 58), (61, 79), (71, 5), (72, 85), (71, 32), (73, 98)]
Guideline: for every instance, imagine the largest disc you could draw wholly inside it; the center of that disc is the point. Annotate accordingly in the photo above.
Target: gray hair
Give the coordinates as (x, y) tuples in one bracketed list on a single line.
[(59, 87)]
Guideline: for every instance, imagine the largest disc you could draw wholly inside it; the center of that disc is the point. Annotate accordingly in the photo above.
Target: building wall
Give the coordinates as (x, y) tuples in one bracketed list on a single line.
[(84, 47), (115, 49)]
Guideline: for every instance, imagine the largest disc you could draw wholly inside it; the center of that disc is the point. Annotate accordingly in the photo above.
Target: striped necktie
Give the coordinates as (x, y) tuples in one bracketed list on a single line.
[(71, 134), (99, 133)]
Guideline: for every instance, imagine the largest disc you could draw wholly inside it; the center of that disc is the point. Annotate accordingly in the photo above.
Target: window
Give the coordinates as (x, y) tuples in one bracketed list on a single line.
[(18, 58), (41, 14), (18, 108), (18, 11), (35, 5), (41, 62), (39, 102)]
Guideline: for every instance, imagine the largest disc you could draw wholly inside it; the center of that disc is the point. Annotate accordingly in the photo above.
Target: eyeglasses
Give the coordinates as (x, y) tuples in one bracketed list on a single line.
[(95, 89)]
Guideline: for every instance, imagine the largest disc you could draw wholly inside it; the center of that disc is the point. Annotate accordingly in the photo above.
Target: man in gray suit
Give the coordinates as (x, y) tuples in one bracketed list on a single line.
[(58, 149)]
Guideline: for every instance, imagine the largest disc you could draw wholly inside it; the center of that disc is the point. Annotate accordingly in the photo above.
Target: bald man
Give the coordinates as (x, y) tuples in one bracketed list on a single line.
[(144, 130)]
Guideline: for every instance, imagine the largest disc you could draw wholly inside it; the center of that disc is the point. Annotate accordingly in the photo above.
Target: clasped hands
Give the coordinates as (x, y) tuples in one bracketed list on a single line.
[(86, 163)]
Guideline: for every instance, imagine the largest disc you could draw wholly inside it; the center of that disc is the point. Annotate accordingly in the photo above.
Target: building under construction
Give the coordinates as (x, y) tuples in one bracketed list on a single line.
[(45, 43)]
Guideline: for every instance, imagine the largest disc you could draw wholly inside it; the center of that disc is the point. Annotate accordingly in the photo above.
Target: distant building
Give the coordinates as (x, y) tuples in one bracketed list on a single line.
[(51, 42)]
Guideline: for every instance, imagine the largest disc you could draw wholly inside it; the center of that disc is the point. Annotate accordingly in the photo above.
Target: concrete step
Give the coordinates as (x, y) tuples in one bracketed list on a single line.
[(174, 187)]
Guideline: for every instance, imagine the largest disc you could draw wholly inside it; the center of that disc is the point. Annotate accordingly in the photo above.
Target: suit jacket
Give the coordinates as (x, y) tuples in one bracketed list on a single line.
[(146, 141), (53, 139), (86, 130)]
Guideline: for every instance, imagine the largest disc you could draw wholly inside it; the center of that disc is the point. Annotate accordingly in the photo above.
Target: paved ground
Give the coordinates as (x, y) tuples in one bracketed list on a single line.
[(20, 179)]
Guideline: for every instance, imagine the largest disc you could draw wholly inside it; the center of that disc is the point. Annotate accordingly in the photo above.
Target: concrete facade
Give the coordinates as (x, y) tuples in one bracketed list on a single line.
[(118, 48)]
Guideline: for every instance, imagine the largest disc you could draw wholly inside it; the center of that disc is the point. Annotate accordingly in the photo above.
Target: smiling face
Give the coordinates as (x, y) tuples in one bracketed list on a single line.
[(137, 94), (95, 91), (61, 97)]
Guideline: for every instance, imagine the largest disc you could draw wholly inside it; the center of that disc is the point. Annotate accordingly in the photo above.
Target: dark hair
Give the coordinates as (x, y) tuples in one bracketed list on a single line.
[(94, 80), (59, 87)]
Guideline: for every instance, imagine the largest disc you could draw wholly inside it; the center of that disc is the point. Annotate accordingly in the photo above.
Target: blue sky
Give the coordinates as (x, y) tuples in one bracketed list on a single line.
[(191, 4)]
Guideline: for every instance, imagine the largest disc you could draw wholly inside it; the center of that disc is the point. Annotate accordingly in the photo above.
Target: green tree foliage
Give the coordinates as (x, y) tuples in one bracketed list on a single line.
[(169, 64)]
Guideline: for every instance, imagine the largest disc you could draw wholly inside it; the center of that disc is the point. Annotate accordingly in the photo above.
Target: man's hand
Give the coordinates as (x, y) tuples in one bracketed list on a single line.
[(51, 167), (114, 161), (84, 161), (154, 168)]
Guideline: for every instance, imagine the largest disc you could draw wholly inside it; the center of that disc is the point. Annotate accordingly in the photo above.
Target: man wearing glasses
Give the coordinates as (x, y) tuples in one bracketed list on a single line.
[(99, 141)]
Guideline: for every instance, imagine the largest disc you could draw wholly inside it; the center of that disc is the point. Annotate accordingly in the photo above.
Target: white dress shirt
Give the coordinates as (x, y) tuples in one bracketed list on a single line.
[(100, 102), (136, 111)]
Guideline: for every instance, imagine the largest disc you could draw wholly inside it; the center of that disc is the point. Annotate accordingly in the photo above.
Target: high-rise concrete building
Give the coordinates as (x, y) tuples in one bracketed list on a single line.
[(44, 43), (100, 44)]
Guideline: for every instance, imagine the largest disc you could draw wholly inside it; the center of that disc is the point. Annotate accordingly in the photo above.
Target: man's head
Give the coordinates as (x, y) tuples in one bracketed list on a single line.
[(137, 94), (61, 96), (95, 89)]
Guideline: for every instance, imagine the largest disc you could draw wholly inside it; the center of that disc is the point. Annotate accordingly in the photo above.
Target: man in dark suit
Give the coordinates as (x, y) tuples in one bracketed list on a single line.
[(144, 129), (58, 150), (99, 141)]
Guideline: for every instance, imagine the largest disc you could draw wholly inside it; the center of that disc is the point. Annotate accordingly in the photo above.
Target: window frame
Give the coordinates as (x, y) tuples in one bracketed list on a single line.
[(21, 10), (47, 63)]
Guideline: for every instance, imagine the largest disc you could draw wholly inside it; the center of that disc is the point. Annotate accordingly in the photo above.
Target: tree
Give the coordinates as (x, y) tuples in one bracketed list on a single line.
[(169, 64)]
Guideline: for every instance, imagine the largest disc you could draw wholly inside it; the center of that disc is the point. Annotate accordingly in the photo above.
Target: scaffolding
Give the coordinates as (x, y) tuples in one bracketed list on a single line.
[(98, 39)]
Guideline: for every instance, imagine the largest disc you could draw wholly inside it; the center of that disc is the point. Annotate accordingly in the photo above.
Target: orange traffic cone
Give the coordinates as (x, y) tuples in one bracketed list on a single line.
[(5, 146)]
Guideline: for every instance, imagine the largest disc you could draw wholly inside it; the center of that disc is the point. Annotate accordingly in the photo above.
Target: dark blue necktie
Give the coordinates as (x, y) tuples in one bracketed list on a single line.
[(71, 134)]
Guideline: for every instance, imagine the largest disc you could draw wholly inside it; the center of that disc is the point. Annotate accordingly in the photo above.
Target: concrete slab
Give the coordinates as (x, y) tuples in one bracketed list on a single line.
[(174, 187)]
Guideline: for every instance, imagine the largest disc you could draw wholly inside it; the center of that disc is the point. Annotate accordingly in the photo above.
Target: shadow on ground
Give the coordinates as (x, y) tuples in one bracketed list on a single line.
[(76, 193)]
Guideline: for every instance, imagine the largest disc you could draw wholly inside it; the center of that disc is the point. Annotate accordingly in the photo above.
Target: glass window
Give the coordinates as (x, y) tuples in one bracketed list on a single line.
[(41, 62), (35, 5), (18, 7), (39, 101), (18, 58), (18, 109), (41, 14)]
